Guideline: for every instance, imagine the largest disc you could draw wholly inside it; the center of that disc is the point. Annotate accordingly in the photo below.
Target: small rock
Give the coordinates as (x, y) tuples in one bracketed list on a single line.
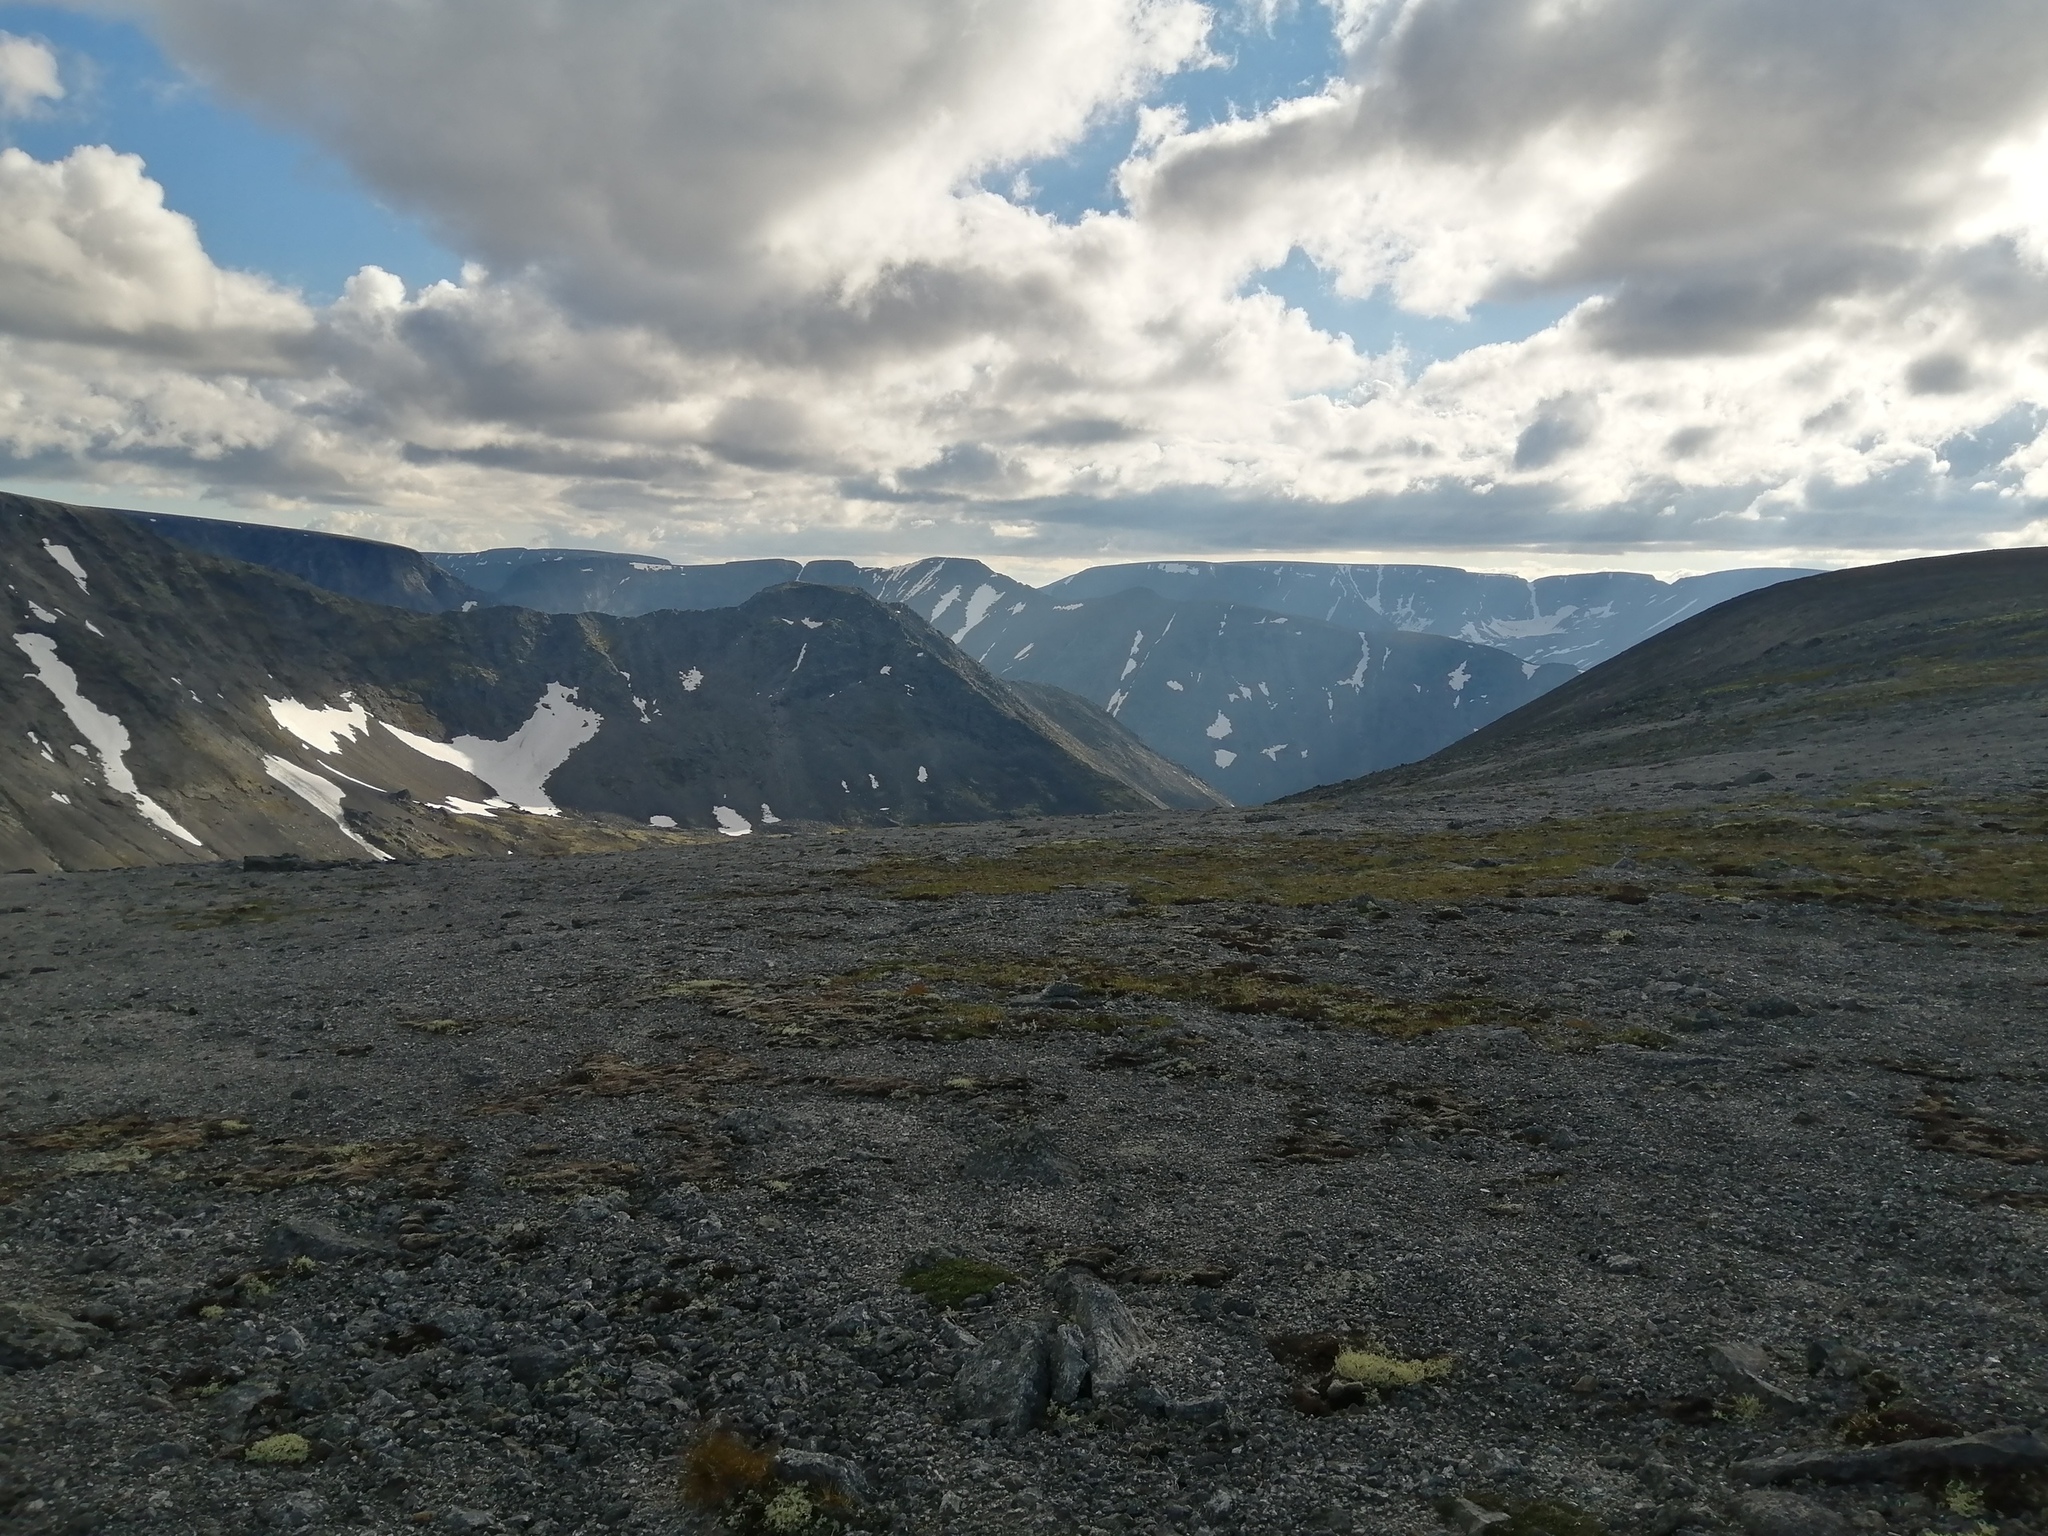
[(1786, 1514), (1677, 1515), (1469, 1519), (296, 1511), (834, 1477), (1006, 1382), (1746, 1368), (161, 1454), (305, 1238), (455, 1518), (535, 1366), (242, 1399), (32, 1335)]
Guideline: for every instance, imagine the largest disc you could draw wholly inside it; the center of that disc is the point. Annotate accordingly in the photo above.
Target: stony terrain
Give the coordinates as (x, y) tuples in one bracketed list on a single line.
[(1652, 1142), (1301, 1169)]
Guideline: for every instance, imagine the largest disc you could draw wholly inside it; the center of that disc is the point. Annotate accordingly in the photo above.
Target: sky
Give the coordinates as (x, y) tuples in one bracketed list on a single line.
[(1533, 285)]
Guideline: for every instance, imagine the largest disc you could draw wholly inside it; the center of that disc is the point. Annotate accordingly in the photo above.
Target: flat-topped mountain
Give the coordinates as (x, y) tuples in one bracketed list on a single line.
[(178, 706)]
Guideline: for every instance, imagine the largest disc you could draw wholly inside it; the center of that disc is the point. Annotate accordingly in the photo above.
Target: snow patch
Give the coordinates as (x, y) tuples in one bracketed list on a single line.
[(517, 768), (691, 680), (922, 776), (873, 782), (1017, 608), (768, 817), (945, 602), (887, 670), (802, 651), (1460, 677), (318, 726), (1356, 680), (1176, 687), (666, 823), (1068, 607), (455, 805), (1224, 759), (42, 614), (1025, 652), (323, 794), (1219, 728), (811, 623), (1272, 754), (106, 732), (1176, 568), (60, 799), (69, 561), (985, 597), (1116, 701), (730, 822), (1529, 669)]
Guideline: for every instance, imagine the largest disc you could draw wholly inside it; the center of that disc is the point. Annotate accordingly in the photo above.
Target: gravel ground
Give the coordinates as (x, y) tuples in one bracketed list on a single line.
[(472, 1195)]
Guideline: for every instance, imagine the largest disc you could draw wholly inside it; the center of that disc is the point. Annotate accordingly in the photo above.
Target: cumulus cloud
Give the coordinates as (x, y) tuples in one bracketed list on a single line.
[(743, 286), (28, 76)]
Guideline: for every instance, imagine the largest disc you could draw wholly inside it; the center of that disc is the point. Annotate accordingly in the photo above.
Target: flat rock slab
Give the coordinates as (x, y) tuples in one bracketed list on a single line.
[(1996, 1450), (33, 1335)]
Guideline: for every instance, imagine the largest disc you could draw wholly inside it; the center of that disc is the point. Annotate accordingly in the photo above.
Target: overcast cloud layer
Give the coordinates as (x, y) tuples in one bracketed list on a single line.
[(761, 278)]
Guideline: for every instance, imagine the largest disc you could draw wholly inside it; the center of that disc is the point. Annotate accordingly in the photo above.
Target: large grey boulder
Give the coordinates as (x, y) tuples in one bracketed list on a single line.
[(1006, 1381), (1114, 1340)]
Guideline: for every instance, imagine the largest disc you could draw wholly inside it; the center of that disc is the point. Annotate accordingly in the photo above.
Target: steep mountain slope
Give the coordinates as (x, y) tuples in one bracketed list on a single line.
[(1580, 620), (1896, 671), (361, 568), (178, 707), (1257, 704)]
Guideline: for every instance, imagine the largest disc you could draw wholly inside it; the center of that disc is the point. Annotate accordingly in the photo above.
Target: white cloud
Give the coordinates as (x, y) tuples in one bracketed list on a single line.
[(28, 76), (746, 290)]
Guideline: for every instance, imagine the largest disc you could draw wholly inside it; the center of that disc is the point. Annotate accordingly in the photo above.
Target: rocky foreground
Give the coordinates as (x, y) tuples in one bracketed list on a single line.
[(1383, 1168)]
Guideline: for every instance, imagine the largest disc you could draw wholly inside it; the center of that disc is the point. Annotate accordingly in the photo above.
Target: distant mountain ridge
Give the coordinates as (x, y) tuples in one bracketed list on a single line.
[(1260, 678), (171, 705)]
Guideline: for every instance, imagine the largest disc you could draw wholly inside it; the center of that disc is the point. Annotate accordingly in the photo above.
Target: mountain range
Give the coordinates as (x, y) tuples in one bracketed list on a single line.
[(1261, 679), (172, 704)]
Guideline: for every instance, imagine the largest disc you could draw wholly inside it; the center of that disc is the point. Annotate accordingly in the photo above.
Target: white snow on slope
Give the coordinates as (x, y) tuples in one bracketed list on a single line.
[(1356, 680), (922, 776), (1224, 759), (1176, 687), (43, 615), (985, 597), (69, 561), (768, 816), (666, 823), (323, 794), (320, 727), (1220, 727), (952, 596), (1460, 677), (731, 822), (1529, 669), (518, 767), (692, 680), (107, 734)]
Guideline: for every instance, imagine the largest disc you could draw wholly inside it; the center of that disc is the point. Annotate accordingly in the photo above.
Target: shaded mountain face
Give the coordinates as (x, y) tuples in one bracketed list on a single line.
[(1578, 620), (360, 568), (1258, 704), (586, 581), (1897, 670), (171, 706)]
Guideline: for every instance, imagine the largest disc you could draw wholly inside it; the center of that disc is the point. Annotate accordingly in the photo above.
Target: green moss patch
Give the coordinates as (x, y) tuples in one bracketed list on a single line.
[(949, 1282)]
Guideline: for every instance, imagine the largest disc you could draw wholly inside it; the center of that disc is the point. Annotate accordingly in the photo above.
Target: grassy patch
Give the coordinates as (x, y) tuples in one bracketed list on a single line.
[(1966, 864), (104, 1145), (415, 1162), (950, 1282), (956, 999), (605, 1076)]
